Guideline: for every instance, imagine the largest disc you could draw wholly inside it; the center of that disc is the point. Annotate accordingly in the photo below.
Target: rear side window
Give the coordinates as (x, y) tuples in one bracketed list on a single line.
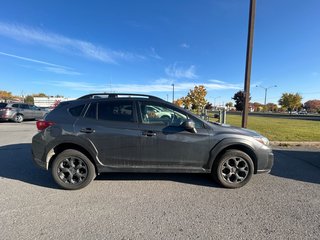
[(3, 105), (76, 111), (24, 106), (121, 111), (92, 111), (15, 105)]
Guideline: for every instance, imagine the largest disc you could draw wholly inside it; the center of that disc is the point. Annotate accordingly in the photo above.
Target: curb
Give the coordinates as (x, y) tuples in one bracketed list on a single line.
[(298, 145)]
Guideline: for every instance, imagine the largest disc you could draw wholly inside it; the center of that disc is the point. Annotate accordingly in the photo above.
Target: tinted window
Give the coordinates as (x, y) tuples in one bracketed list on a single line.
[(24, 106), (15, 105), (61, 104), (116, 111), (76, 111), (3, 105), (92, 111)]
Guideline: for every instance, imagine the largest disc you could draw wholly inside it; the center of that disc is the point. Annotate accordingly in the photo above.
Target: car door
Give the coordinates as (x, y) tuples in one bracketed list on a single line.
[(36, 112), (164, 140), (26, 111), (111, 125)]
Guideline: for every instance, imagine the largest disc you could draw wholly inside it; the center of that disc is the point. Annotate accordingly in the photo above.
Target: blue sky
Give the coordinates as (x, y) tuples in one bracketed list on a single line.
[(74, 47)]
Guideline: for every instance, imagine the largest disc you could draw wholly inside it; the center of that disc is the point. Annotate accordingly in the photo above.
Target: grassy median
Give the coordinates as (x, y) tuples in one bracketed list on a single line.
[(280, 129)]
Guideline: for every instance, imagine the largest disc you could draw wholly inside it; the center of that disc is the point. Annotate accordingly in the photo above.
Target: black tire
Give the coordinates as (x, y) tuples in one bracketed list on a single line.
[(18, 118), (233, 169), (72, 170)]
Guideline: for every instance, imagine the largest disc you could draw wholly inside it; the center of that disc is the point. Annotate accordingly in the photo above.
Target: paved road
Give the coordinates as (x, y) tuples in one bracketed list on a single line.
[(281, 205)]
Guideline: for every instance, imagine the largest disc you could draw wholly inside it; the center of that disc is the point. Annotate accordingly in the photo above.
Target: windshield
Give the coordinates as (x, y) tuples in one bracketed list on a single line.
[(3, 105)]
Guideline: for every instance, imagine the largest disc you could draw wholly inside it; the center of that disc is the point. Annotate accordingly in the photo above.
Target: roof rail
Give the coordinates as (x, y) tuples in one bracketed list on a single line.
[(118, 95)]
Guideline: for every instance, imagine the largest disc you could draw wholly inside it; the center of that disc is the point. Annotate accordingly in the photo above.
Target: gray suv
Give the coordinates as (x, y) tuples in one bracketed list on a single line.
[(20, 111), (100, 133)]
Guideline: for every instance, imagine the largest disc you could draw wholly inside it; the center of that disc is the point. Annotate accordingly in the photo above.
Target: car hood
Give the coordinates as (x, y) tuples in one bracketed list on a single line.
[(225, 128)]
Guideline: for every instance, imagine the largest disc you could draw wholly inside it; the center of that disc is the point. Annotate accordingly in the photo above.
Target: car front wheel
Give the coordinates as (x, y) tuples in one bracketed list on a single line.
[(233, 169), (72, 170)]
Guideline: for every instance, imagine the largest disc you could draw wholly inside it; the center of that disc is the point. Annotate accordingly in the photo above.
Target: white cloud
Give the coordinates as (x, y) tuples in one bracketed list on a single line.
[(180, 72), (60, 42), (184, 45), (161, 85), (216, 81), (50, 67), (154, 54), (59, 70)]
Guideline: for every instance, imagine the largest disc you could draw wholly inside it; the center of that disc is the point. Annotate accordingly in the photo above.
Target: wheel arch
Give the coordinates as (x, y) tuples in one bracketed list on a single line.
[(56, 150), (222, 147)]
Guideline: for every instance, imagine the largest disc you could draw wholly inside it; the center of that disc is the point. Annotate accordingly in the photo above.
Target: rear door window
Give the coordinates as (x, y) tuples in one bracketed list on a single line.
[(24, 106), (92, 111), (120, 111), (3, 105), (76, 111)]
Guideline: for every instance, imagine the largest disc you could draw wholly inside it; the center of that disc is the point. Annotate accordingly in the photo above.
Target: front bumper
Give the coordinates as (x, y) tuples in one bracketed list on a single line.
[(268, 160)]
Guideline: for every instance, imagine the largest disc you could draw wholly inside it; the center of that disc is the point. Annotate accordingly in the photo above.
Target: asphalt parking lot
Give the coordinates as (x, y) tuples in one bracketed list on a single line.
[(284, 204)]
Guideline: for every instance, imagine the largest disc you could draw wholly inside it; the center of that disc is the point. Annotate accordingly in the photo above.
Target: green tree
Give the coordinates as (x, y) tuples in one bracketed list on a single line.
[(239, 99), (29, 99), (6, 95), (208, 106), (197, 97), (272, 107), (39, 95), (229, 104), (290, 101), (179, 102), (312, 106)]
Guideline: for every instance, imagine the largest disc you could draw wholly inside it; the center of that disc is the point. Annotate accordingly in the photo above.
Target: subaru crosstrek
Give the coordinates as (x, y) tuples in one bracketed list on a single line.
[(100, 133)]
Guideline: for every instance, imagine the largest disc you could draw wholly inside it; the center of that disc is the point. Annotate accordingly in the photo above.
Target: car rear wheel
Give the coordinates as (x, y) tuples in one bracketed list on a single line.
[(72, 170), (233, 169), (18, 118)]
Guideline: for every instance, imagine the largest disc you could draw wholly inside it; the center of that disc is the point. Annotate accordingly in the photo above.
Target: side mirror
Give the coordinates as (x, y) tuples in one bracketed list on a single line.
[(190, 126)]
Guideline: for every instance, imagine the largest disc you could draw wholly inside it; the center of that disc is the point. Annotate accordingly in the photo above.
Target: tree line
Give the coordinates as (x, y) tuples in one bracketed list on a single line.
[(8, 96), (196, 100)]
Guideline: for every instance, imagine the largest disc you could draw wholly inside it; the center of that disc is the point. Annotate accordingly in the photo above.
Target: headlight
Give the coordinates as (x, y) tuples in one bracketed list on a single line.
[(262, 140)]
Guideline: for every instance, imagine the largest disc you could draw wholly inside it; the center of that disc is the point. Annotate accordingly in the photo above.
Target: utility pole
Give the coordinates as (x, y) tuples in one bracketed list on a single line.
[(172, 92), (252, 13), (266, 92)]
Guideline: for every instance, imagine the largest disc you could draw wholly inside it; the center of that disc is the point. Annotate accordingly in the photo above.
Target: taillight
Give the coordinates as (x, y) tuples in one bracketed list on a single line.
[(42, 125), (5, 109)]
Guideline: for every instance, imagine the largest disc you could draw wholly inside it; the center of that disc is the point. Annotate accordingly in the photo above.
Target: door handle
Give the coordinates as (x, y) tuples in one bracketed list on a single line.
[(149, 133), (87, 130)]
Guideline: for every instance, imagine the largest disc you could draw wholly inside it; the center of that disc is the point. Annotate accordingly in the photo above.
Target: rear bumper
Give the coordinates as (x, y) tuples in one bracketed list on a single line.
[(5, 116), (39, 163), (38, 152)]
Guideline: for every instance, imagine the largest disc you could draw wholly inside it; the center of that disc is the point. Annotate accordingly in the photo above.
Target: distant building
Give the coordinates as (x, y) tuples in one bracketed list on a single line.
[(49, 101)]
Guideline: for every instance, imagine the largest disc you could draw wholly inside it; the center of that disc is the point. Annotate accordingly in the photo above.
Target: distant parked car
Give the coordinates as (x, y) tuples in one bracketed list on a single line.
[(303, 112), (18, 112)]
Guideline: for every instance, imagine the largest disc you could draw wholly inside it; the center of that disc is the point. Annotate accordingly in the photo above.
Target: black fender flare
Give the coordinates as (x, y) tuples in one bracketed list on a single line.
[(232, 143), (85, 144)]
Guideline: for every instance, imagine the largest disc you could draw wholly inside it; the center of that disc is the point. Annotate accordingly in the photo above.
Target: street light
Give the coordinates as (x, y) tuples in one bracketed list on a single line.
[(172, 92), (214, 101), (266, 92)]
